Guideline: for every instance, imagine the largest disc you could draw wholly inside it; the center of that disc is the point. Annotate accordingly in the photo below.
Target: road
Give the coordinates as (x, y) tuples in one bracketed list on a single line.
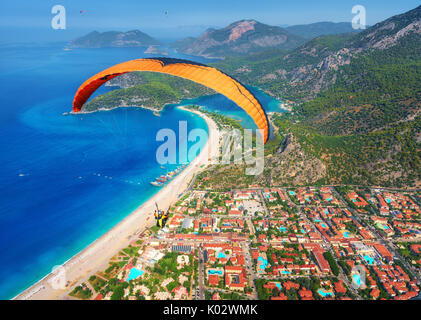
[(250, 270), (262, 199), (201, 275)]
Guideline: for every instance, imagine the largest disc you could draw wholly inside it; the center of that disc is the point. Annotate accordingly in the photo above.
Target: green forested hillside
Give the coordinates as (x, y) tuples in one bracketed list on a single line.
[(372, 92), (357, 114), (357, 120), (151, 90), (389, 157)]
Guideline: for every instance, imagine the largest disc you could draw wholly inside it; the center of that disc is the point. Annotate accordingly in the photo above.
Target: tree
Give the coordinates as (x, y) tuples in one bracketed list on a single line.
[(118, 293)]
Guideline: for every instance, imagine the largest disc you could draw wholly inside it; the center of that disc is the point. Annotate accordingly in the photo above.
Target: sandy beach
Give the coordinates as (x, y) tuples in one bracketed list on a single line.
[(95, 257)]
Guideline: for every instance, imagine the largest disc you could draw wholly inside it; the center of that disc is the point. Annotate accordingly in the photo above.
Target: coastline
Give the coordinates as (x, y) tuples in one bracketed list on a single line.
[(96, 255), (156, 112)]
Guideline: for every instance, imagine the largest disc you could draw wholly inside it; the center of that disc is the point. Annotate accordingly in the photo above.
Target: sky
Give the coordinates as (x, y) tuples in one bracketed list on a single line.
[(31, 19)]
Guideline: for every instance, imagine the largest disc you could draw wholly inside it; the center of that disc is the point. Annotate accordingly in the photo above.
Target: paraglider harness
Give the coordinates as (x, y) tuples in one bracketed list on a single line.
[(161, 217)]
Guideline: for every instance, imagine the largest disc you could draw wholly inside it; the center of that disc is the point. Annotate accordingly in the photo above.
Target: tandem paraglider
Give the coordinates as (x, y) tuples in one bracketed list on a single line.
[(196, 72), (161, 217)]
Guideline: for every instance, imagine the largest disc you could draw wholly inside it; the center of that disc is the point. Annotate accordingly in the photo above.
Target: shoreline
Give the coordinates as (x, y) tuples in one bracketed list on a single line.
[(96, 255), (155, 111)]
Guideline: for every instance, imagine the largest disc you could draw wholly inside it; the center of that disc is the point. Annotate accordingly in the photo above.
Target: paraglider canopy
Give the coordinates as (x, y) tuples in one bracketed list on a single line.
[(197, 72)]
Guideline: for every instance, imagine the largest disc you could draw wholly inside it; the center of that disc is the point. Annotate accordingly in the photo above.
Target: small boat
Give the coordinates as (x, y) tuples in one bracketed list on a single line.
[(161, 180)]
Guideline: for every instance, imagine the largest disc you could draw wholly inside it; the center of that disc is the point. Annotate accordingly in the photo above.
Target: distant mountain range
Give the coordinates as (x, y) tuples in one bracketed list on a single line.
[(239, 38), (95, 39), (357, 117), (357, 112), (309, 69), (250, 36), (314, 30)]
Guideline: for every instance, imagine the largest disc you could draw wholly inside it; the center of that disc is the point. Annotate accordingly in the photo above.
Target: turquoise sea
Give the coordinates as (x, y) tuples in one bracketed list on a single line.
[(65, 180)]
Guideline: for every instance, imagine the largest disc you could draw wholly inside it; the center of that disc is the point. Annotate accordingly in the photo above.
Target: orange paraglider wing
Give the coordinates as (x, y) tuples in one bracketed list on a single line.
[(199, 73)]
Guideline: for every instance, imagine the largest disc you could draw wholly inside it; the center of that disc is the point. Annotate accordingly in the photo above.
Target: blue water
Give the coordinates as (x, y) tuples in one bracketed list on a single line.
[(356, 279), (134, 274), (218, 272), (325, 294), (221, 104), (264, 263), (66, 180), (221, 255), (369, 260)]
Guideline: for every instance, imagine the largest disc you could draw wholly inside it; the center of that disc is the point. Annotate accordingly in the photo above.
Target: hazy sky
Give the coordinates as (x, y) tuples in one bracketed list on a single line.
[(185, 17)]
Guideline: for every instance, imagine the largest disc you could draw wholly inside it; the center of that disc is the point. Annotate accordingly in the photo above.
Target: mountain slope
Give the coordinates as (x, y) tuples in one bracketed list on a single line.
[(240, 38), (314, 30), (95, 39), (358, 119), (310, 69)]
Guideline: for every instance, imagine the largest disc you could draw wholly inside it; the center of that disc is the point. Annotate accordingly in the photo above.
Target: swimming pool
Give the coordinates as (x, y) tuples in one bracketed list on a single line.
[(369, 260), (356, 279), (325, 294), (218, 272), (221, 255), (134, 274), (347, 234), (264, 263)]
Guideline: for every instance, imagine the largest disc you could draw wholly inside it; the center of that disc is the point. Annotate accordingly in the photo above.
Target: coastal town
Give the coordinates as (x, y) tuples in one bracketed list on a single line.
[(310, 243)]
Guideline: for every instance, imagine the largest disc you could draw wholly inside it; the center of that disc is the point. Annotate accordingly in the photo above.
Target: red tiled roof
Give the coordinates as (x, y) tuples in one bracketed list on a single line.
[(339, 287), (213, 280), (281, 297)]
